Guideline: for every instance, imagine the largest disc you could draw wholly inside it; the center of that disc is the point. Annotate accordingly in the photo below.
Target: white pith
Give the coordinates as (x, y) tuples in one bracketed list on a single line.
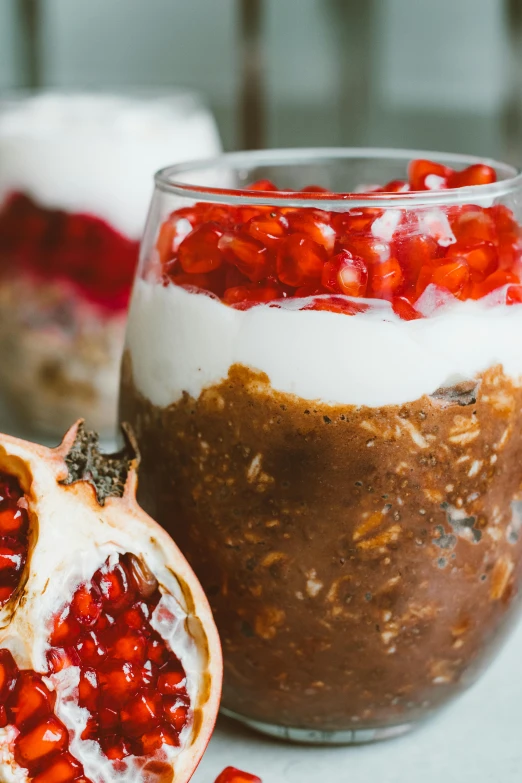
[(75, 536)]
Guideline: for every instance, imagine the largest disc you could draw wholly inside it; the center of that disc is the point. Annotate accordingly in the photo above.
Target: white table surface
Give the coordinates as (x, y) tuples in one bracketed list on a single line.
[(478, 739)]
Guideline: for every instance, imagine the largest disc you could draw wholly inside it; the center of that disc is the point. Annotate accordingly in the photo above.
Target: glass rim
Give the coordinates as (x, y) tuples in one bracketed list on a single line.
[(167, 179)]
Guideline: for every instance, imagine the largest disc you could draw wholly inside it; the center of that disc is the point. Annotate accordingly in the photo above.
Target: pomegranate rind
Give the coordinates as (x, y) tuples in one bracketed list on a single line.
[(67, 518)]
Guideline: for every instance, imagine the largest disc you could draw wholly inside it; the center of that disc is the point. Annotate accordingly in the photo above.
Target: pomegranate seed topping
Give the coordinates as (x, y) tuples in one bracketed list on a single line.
[(8, 675), (496, 280), (199, 251), (252, 254), (47, 738), (386, 278), (268, 228), (345, 274), (336, 304), (404, 309), (300, 261), (249, 255), (477, 174), (63, 770), (233, 775), (514, 295), (428, 175), (315, 224)]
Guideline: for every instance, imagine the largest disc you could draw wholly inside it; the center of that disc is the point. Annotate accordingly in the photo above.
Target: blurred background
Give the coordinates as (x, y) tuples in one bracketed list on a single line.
[(440, 75)]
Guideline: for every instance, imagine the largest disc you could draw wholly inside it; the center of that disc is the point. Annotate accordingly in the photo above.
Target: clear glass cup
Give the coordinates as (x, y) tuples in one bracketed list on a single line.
[(326, 390), (75, 173)]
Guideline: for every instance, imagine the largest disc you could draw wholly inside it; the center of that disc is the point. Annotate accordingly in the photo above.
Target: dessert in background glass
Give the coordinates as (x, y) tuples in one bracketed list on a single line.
[(75, 173), (326, 386)]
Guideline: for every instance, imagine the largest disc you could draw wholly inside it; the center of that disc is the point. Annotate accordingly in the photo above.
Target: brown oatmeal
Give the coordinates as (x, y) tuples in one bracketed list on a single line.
[(362, 563)]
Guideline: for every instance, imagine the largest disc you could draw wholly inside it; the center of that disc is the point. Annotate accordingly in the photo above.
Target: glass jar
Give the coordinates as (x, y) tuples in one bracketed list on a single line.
[(325, 385), (75, 175)]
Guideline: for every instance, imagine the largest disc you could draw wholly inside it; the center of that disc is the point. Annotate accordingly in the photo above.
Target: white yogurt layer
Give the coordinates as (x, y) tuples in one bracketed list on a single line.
[(183, 341), (98, 153)]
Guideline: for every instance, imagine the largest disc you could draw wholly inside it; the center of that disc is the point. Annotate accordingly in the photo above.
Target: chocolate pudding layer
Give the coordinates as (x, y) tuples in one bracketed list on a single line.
[(362, 563)]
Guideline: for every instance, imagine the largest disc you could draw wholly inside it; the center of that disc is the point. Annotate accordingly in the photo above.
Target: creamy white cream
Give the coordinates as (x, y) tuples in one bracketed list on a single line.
[(183, 341), (98, 153)]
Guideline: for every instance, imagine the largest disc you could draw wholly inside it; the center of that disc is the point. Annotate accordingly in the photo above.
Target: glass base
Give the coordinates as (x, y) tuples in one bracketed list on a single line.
[(316, 737)]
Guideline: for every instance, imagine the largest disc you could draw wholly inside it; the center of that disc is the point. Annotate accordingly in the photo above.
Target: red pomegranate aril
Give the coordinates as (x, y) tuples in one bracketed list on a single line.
[(315, 224), (252, 294), (62, 770), (157, 651), (428, 175), (86, 605), (396, 186), (171, 682), (404, 309), (477, 174), (91, 649), (114, 585), (355, 221), (12, 560), (8, 675), (472, 225), (154, 740), (263, 185), (173, 231), (233, 775), (369, 248), (300, 261), (496, 280), (131, 648), (13, 522), (176, 711), (88, 689), (268, 228), (199, 251), (345, 274), (141, 715), (3, 717), (414, 252), (453, 276), (31, 701), (249, 255), (119, 680), (116, 748), (514, 295), (311, 289), (481, 258), (47, 738), (386, 278), (66, 629), (59, 659), (336, 304)]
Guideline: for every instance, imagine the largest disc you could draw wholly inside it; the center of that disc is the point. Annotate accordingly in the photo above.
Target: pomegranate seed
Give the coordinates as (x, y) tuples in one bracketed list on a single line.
[(32, 701), (173, 231), (300, 261), (154, 740), (514, 295), (496, 280), (477, 174), (428, 175), (47, 738), (336, 304), (88, 689), (263, 185), (268, 228), (66, 629), (131, 648), (355, 221), (252, 294), (13, 522), (370, 249), (176, 711), (310, 290), (115, 587), (404, 309), (108, 719), (12, 560), (481, 258), (472, 225), (386, 278), (90, 649), (86, 605), (62, 770), (8, 675), (116, 748), (59, 659), (119, 680), (414, 252), (199, 251), (396, 186), (157, 651), (141, 576), (345, 274), (141, 715), (233, 775), (249, 255), (454, 276), (171, 682), (315, 224), (3, 717)]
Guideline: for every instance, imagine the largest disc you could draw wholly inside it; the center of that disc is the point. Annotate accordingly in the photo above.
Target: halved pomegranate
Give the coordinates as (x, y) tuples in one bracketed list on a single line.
[(110, 662)]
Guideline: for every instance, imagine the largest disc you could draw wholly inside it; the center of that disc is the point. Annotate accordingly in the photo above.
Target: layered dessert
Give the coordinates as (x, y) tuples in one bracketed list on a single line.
[(328, 405), (75, 181)]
